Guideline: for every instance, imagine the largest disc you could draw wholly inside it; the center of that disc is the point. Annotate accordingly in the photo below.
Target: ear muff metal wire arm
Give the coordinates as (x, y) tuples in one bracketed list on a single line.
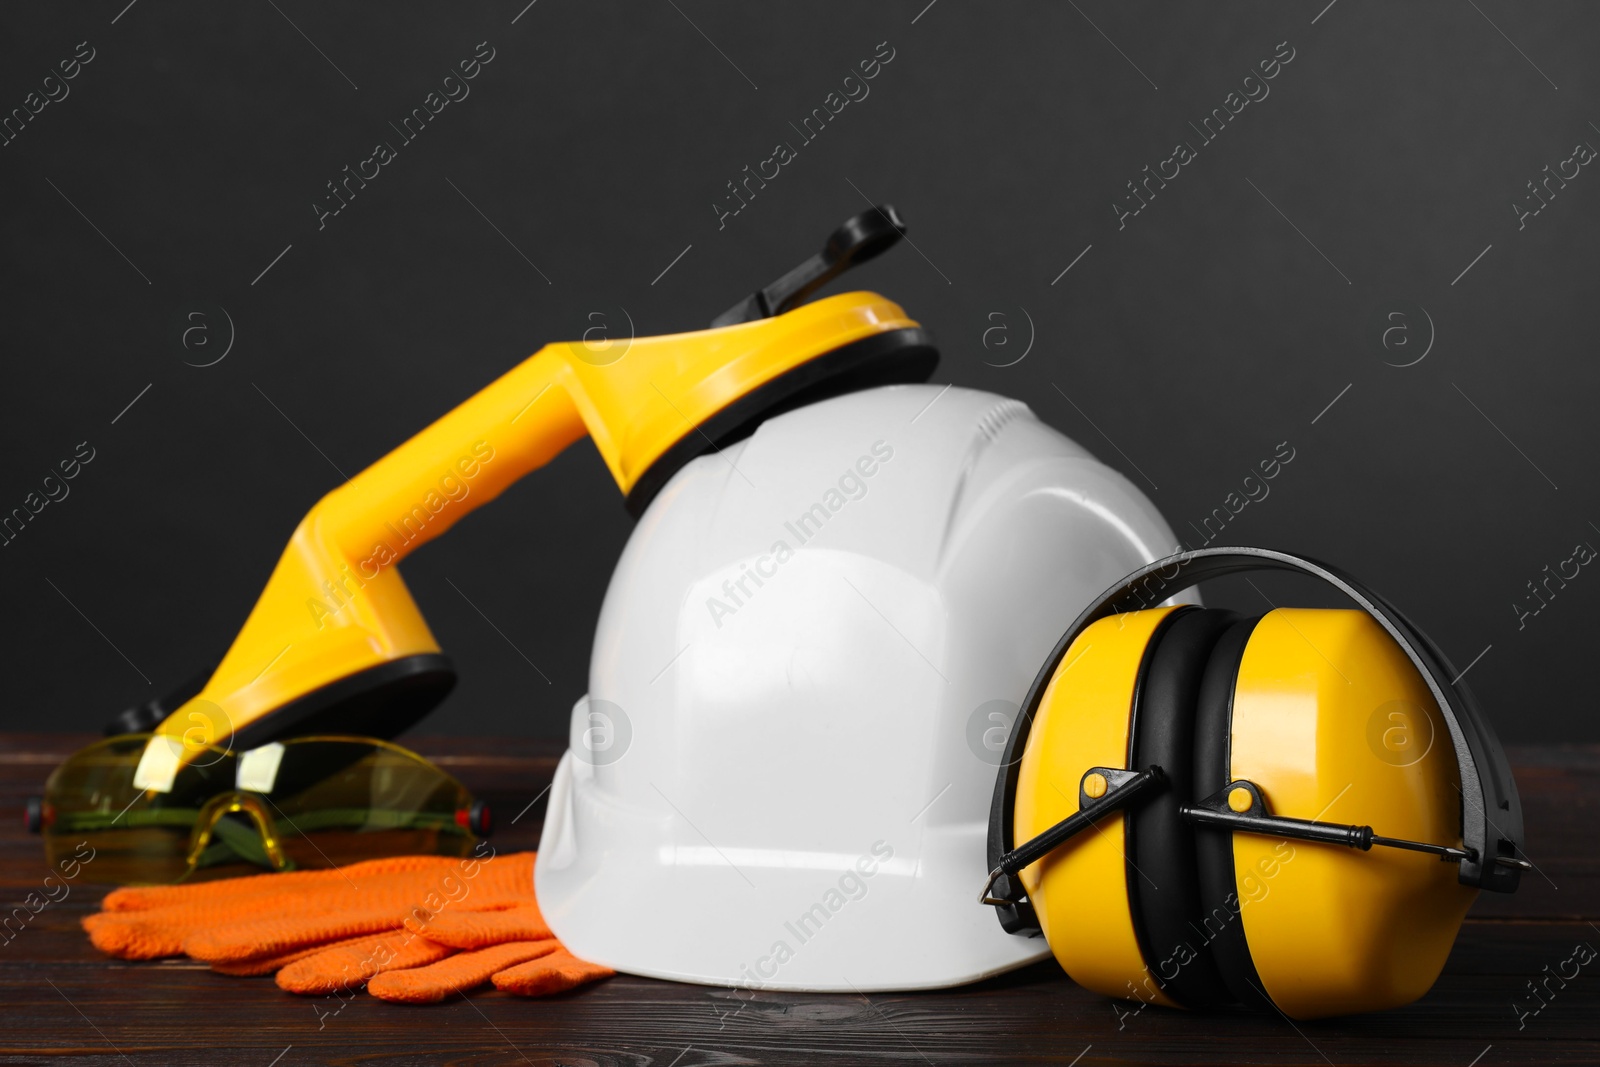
[(1238, 807), (1123, 788), (1219, 810)]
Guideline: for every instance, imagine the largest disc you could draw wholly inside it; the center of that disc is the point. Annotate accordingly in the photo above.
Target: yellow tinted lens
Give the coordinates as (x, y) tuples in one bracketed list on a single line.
[(92, 808), (337, 800), (305, 803)]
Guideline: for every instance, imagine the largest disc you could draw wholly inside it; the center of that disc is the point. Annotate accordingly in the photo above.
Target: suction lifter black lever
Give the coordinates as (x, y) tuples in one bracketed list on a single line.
[(861, 237), (144, 718)]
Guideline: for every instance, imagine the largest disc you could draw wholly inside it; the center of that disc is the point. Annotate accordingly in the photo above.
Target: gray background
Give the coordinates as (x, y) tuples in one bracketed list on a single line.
[(1226, 317)]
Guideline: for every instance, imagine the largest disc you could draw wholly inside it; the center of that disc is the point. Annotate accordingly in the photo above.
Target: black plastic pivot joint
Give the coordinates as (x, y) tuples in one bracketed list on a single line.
[(862, 237), (1101, 790)]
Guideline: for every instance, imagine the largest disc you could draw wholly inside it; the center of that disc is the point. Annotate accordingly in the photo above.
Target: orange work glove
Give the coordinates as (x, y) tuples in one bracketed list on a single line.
[(455, 951), (142, 923), (413, 928)]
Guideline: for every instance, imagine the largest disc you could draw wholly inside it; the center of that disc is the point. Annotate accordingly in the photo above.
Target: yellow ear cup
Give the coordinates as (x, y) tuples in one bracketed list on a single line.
[(1332, 723), (1080, 891)]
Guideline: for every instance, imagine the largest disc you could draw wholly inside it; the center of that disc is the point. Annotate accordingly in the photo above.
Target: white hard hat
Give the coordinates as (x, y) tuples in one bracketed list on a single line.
[(803, 675)]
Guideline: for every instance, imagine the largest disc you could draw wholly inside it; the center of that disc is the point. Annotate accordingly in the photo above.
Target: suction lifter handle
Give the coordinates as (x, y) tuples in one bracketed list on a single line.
[(335, 606), (862, 237)]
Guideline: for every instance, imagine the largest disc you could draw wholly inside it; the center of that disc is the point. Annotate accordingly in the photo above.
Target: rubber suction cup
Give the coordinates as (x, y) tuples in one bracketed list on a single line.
[(381, 701), (893, 358)]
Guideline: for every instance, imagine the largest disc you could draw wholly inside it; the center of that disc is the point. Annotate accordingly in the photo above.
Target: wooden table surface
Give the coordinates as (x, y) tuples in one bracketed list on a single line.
[(61, 1002)]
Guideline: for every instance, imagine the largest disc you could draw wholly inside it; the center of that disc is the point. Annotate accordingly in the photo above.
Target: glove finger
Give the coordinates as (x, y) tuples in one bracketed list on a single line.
[(227, 958), (220, 920), (479, 929), (230, 890), (161, 931), (134, 939), (398, 880), (266, 937), (231, 934), (348, 965), (271, 964), (459, 973), (555, 973)]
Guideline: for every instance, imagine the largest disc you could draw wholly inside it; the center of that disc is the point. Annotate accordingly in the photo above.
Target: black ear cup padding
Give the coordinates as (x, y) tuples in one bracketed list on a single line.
[(1220, 924), (1163, 885)]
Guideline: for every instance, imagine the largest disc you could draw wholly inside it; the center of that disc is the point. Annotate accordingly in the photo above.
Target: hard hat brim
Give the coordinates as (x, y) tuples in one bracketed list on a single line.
[(812, 922)]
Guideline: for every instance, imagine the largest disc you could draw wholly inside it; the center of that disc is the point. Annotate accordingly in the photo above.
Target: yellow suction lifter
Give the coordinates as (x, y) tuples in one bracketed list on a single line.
[(336, 643)]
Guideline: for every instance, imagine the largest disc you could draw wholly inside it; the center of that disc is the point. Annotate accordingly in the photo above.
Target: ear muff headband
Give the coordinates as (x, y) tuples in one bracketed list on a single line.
[(1491, 811)]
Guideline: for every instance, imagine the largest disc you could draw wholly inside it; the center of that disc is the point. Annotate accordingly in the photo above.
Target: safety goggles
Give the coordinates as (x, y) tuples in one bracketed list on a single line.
[(308, 802)]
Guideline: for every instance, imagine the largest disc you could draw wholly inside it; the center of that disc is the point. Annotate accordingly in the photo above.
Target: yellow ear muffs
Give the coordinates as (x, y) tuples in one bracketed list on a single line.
[(1195, 797)]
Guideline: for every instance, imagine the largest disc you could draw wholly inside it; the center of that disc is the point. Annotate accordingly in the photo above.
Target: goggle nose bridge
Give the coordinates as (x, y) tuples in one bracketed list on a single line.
[(225, 804)]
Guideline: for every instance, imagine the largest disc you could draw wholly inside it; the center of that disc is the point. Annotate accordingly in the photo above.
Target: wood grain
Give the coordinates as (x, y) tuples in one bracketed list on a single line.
[(64, 1003)]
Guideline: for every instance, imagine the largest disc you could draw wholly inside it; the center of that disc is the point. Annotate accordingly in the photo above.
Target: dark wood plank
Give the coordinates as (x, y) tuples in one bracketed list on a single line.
[(65, 1003)]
